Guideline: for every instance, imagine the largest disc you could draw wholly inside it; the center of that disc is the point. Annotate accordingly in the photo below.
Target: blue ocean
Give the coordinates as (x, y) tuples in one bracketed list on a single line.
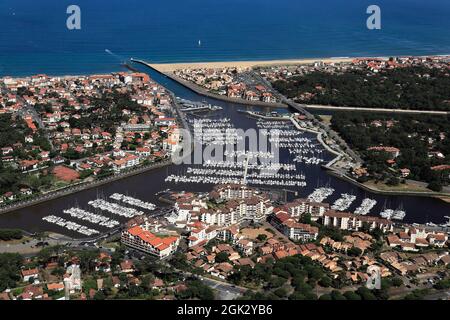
[(34, 37)]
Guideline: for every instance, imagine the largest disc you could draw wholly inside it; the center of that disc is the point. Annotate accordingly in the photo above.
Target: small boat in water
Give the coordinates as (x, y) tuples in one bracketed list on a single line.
[(365, 207), (399, 213)]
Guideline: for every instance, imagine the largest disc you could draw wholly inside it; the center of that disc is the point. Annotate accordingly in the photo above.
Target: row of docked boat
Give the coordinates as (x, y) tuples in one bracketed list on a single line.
[(233, 180), (248, 154), (281, 139), (253, 166), (298, 145), (270, 124), (133, 201), (115, 208), (246, 168), (305, 150), (70, 225), (344, 202), (311, 149), (208, 129), (366, 205), (236, 173), (192, 106), (218, 137), (320, 194), (308, 160), (397, 214), (91, 217), (211, 122), (286, 132)]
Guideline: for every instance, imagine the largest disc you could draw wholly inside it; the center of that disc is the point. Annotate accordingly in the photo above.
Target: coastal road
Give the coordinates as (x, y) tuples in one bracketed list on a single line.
[(443, 295), (225, 291), (402, 111)]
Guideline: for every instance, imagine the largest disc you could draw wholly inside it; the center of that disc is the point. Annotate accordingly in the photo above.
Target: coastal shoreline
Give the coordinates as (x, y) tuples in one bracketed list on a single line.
[(170, 67)]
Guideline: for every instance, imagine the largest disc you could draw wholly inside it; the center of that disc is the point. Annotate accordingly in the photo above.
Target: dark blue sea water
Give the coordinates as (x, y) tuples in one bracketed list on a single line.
[(34, 37)]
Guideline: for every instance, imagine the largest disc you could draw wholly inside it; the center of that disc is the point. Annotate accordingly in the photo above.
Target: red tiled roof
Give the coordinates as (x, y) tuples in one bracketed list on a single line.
[(30, 272), (159, 243)]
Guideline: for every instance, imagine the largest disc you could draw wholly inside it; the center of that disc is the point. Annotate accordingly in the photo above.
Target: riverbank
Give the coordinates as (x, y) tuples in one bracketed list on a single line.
[(201, 91), (75, 188), (260, 116), (339, 174)]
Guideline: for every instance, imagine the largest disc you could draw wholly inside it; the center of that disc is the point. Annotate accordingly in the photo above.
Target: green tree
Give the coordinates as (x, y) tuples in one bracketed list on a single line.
[(281, 292), (325, 296), (336, 295), (10, 264), (99, 295), (325, 282), (397, 282), (351, 295), (365, 294), (261, 237), (222, 257), (354, 252)]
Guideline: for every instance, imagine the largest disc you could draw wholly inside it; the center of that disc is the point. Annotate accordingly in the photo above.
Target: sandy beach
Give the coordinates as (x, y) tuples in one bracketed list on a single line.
[(168, 67)]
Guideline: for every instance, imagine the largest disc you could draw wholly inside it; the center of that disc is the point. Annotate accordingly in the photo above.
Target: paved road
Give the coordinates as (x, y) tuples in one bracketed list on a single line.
[(28, 110), (444, 295), (322, 107), (225, 291)]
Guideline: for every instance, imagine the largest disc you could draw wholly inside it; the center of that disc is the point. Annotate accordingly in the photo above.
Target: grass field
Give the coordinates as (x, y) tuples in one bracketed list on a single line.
[(401, 187)]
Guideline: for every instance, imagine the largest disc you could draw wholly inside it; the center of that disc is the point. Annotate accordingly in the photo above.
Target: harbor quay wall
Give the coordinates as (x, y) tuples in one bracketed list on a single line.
[(260, 116), (345, 177), (319, 138), (201, 91), (204, 92), (74, 188)]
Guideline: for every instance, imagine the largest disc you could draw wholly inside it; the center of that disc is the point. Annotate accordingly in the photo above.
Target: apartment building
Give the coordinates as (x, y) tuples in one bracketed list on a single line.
[(293, 229), (143, 240), (349, 221)]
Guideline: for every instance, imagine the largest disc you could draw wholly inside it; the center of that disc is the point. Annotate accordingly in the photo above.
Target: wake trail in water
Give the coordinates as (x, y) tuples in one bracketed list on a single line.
[(116, 56)]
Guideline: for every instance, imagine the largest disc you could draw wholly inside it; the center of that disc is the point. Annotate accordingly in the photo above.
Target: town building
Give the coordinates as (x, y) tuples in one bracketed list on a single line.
[(350, 221), (143, 240)]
